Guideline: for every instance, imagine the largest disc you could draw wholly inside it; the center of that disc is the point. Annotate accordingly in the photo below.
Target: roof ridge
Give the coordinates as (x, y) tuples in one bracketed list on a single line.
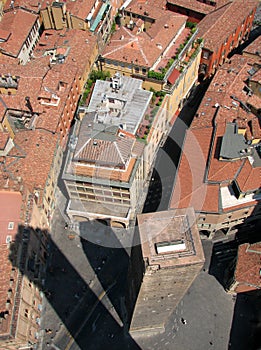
[(248, 174), (215, 10), (131, 39), (142, 52), (242, 274), (118, 150), (81, 148)]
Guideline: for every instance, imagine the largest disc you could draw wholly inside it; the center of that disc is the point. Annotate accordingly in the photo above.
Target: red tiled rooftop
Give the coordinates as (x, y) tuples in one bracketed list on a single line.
[(139, 7), (4, 34), (11, 21), (10, 209), (38, 147), (32, 5), (173, 76), (218, 24), (190, 190), (4, 136), (34, 82), (197, 6), (254, 46), (248, 265), (72, 39), (196, 184), (144, 48), (172, 51), (80, 8), (249, 178)]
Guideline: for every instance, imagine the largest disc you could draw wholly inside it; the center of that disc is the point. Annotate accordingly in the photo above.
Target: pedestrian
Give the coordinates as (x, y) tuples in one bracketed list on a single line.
[(183, 320)]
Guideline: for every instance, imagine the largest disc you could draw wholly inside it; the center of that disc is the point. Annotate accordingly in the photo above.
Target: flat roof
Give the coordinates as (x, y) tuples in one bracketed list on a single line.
[(129, 100), (169, 228), (234, 144)]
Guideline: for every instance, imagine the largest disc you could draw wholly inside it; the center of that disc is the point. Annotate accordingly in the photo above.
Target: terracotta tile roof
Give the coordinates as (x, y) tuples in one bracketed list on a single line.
[(10, 22), (190, 190), (249, 178), (248, 266), (254, 46), (144, 49), (72, 39), (32, 5), (38, 148), (4, 34), (200, 172), (113, 153), (4, 137), (173, 76), (257, 76), (30, 81), (10, 210), (229, 81), (218, 24), (101, 145), (256, 128), (151, 9), (103, 173), (37, 81), (196, 5), (80, 8)]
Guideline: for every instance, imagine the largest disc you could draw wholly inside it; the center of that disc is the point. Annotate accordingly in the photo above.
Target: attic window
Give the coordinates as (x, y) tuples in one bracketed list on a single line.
[(11, 225)]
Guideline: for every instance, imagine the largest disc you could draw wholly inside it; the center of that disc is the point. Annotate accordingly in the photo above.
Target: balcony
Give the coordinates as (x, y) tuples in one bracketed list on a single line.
[(173, 56)]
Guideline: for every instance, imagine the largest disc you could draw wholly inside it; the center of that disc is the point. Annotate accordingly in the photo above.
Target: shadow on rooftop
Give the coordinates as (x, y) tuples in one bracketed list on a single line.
[(168, 156), (85, 320), (246, 324)]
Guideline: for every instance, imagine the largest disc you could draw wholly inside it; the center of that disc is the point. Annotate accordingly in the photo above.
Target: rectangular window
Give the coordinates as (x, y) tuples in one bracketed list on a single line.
[(205, 54), (11, 225)]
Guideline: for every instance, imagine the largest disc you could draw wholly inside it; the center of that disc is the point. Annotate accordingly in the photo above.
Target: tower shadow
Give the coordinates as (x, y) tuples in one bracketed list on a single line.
[(83, 314), (246, 324)]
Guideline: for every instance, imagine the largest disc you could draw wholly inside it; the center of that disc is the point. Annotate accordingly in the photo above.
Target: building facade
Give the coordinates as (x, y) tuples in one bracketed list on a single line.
[(222, 31), (23, 261), (95, 16), (246, 272), (19, 45), (105, 170)]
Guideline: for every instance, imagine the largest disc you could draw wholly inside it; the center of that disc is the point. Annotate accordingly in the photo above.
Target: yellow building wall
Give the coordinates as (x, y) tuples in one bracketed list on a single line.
[(189, 77), (77, 23), (45, 18), (7, 127)]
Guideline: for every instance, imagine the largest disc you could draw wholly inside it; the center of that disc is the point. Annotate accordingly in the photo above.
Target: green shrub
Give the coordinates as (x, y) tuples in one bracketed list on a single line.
[(155, 75), (190, 25)]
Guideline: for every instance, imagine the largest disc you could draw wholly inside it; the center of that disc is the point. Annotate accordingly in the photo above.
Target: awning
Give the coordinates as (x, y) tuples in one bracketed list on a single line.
[(97, 20), (173, 76)]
